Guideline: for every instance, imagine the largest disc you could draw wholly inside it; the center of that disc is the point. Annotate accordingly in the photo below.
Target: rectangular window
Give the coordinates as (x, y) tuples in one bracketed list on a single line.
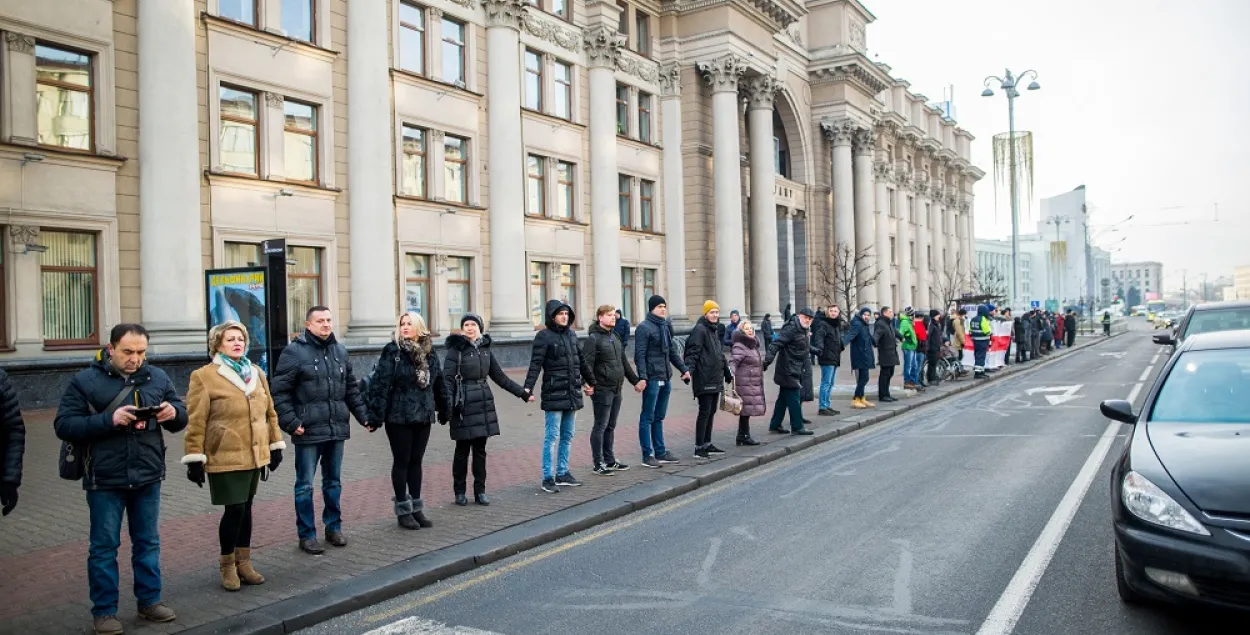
[(299, 137), (459, 288), (298, 22), (68, 273), (414, 176), (644, 117), (303, 285), (412, 38), (565, 182), (568, 286), (622, 110), (242, 255), (642, 32), (64, 98), (627, 293), (238, 138), (456, 161), (417, 285), (533, 81), (538, 292), (536, 185), (622, 24), (624, 184), (453, 52), (646, 191), (648, 283), (564, 91), (238, 10), (561, 8)]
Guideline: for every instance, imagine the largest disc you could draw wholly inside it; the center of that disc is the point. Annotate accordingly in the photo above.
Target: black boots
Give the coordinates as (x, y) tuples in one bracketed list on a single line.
[(746, 440)]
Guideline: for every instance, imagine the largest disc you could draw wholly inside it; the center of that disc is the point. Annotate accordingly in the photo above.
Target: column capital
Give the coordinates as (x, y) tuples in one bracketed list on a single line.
[(840, 131), (274, 100), (19, 43), (723, 73), (435, 14), (883, 171), (603, 45), (504, 13), (761, 91), (951, 200), (935, 192), (670, 80), (965, 206), (865, 141)]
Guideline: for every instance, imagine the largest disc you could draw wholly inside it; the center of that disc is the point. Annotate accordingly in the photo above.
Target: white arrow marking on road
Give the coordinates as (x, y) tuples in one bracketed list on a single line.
[(1069, 393), (1118, 355), (418, 626)]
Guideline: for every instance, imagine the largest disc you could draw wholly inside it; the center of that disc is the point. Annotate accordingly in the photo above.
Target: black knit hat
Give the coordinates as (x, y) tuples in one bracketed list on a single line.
[(475, 318), (655, 301)]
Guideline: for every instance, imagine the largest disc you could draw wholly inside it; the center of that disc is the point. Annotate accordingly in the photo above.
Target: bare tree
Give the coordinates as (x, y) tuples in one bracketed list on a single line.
[(841, 279), (989, 281), (952, 282)]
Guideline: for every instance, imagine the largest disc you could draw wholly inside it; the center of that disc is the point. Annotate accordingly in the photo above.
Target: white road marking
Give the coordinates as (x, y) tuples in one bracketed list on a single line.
[(1146, 373), (840, 470), (1069, 393), (902, 579), (418, 626), (705, 572), (1132, 395), (1155, 359)]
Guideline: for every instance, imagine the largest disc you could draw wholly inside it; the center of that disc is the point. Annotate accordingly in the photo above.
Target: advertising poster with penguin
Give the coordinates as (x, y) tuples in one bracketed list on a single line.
[(239, 294)]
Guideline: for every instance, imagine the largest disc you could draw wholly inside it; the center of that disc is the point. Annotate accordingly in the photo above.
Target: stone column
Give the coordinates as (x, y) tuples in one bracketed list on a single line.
[(937, 273), (371, 222), (170, 261), (723, 74), (790, 282), (674, 193), (18, 118), (903, 179), (602, 46), (865, 235), (955, 258), (922, 241), (840, 133), (969, 237), (506, 170), (765, 269), (882, 242)]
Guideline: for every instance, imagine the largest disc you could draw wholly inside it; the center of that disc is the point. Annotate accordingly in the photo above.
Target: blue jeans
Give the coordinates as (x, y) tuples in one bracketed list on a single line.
[(143, 509), (560, 425), (826, 384), (330, 455), (910, 367), (651, 419)]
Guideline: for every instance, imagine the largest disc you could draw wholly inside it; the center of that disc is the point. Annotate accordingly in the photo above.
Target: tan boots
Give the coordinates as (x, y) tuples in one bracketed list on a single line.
[(860, 403), (236, 569)]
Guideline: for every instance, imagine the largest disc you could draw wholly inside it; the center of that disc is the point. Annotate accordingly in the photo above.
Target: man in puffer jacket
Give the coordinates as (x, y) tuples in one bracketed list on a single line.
[(792, 350), (605, 367), (12, 445), (656, 357), (558, 358), (827, 332), (704, 355), (315, 394)]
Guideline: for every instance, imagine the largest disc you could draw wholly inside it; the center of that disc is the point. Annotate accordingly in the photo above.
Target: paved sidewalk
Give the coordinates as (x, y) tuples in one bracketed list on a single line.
[(43, 554)]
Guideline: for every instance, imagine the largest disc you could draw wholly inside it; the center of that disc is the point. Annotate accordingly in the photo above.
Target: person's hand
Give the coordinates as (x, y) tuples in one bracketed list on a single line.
[(8, 498), (640, 386), (123, 416), (372, 427), (166, 412), (275, 459), (531, 399), (298, 431), (590, 391), (527, 395), (686, 376), (195, 473)]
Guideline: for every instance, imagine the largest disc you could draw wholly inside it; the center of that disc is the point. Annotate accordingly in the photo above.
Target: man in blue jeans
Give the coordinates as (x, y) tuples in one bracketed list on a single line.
[(655, 357), (557, 356), (314, 389), (113, 411), (827, 332)]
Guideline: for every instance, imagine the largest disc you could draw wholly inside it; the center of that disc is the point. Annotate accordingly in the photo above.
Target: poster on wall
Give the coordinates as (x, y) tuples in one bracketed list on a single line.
[(239, 294)]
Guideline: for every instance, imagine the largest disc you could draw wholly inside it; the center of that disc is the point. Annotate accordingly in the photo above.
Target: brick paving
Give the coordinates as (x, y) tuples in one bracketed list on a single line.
[(43, 554)]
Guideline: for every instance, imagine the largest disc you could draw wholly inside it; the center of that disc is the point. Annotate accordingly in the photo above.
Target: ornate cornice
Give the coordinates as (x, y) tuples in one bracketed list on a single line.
[(468, 4), (504, 13), (603, 46), (670, 80), (568, 39), (883, 171), (19, 43), (865, 141), (855, 69), (841, 132), (638, 66), (723, 73), (780, 14), (761, 91)]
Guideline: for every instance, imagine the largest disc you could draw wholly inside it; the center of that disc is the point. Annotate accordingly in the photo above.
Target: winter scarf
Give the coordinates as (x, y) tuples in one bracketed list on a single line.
[(419, 352), (243, 367)]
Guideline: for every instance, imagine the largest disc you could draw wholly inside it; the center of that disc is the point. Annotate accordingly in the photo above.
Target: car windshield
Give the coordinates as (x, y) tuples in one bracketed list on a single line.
[(1213, 320), (1206, 387)]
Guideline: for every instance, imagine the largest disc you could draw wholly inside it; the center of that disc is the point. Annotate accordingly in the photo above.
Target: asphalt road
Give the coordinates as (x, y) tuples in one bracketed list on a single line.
[(951, 519)]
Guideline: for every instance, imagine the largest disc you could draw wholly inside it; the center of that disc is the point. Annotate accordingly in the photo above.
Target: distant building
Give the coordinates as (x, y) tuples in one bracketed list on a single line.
[(1147, 276), (1240, 289)]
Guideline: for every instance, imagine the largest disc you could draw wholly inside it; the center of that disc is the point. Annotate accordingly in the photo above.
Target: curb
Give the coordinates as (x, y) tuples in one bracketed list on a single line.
[(391, 581)]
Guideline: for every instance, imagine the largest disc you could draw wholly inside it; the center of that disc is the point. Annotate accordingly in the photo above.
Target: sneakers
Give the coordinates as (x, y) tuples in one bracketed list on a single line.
[(108, 625), (827, 412), (651, 462), (602, 470), (702, 453), (157, 613), (617, 466), (667, 458), (567, 479), (711, 449), (549, 486)]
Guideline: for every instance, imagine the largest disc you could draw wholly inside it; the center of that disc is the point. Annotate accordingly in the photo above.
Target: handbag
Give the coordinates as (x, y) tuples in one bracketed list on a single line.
[(730, 401), (457, 393), (70, 462)]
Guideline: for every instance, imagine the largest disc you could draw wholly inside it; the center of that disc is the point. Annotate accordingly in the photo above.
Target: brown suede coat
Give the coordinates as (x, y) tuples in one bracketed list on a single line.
[(231, 426)]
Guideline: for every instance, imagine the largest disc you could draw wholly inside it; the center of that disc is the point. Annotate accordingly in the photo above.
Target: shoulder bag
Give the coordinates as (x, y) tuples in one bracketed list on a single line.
[(70, 462), (730, 401)]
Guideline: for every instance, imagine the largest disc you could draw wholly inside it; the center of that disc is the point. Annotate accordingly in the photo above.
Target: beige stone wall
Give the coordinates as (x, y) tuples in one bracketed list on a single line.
[(126, 42)]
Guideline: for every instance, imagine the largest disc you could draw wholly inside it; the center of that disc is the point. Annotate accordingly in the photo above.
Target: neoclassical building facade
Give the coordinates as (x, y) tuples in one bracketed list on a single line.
[(448, 156)]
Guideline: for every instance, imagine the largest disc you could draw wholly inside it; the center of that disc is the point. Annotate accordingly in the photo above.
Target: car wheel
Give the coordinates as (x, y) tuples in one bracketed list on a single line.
[(1127, 594)]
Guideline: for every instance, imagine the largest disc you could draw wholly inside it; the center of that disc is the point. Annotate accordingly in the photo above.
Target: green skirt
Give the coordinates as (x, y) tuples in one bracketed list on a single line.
[(232, 488)]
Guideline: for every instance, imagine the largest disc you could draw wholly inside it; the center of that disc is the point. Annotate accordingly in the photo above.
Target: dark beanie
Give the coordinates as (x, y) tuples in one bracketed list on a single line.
[(655, 301), (934, 313), (475, 318)]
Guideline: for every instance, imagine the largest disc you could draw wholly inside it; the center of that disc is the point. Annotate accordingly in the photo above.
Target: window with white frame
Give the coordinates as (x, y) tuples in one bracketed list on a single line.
[(453, 52), (568, 287), (414, 181), (456, 162), (560, 8), (243, 11), (563, 106), (412, 32), (299, 19)]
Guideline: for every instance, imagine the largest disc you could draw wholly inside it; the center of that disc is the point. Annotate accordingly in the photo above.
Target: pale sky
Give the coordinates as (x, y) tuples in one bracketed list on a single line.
[(1146, 102)]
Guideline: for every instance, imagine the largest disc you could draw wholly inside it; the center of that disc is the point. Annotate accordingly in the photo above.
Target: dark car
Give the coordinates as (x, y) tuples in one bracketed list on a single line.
[(1207, 318), (1181, 491)]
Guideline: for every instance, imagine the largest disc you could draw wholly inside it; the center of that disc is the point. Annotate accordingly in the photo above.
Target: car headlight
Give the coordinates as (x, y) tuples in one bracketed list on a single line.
[(1146, 501)]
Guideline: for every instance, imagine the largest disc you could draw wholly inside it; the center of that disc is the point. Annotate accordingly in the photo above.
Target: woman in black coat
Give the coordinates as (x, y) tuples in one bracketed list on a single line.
[(407, 394), (886, 338), (469, 363), (704, 355)]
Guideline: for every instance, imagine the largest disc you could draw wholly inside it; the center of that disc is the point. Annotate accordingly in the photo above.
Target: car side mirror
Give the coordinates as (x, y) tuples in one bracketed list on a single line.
[(1165, 338), (1118, 410)]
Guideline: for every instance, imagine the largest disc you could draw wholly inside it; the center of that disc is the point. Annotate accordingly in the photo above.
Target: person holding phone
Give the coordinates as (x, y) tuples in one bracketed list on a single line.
[(232, 435), (115, 410)]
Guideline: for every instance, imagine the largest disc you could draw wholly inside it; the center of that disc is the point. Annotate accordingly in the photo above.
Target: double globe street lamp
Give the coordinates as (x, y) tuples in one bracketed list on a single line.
[(1008, 85)]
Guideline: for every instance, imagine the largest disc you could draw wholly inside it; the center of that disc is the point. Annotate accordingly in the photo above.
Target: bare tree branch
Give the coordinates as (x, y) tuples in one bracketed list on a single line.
[(841, 279), (951, 283), (989, 281)]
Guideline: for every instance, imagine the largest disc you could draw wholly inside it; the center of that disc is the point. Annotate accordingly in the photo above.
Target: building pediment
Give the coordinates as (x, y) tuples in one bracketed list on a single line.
[(777, 14)]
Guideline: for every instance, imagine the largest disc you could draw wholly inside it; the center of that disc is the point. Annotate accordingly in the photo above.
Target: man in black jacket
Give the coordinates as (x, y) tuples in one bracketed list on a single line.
[(827, 340), (12, 445), (937, 334), (656, 358), (605, 367), (705, 357), (314, 391), (112, 412), (1069, 329), (792, 350), (558, 358)]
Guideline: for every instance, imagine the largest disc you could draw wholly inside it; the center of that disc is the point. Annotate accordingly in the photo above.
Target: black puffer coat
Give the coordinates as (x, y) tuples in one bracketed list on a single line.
[(793, 353), (654, 354), (604, 364), (558, 357), (12, 434), (471, 366), (827, 338), (117, 458), (314, 387), (394, 396), (704, 355), (886, 338)]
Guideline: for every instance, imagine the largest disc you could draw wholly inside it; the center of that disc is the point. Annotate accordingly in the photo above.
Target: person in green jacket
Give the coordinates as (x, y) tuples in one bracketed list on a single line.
[(911, 358)]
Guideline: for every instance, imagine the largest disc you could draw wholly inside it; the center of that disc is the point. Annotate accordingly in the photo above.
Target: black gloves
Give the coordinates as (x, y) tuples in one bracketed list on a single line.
[(195, 473), (8, 498), (526, 394), (275, 459)]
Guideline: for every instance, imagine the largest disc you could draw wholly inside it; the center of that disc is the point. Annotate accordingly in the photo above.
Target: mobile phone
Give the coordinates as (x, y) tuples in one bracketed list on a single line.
[(146, 413)]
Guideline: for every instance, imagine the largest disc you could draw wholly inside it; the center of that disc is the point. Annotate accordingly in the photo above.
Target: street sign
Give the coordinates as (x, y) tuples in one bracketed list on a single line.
[(1035, 304), (1068, 393)]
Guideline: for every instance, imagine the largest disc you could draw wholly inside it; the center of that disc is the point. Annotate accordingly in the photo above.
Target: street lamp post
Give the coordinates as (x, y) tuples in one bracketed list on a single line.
[(1008, 86), (1061, 266)]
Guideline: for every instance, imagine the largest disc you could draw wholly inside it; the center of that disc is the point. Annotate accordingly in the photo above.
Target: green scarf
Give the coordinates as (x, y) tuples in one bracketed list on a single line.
[(243, 367)]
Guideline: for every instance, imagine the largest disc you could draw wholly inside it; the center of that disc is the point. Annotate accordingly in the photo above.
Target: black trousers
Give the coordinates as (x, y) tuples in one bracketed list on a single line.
[(883, 382), (607, 406), (460, 465), (744, 426), (1069, 338), (931, 366), (235, 529), (408, 443), (703, 424)]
